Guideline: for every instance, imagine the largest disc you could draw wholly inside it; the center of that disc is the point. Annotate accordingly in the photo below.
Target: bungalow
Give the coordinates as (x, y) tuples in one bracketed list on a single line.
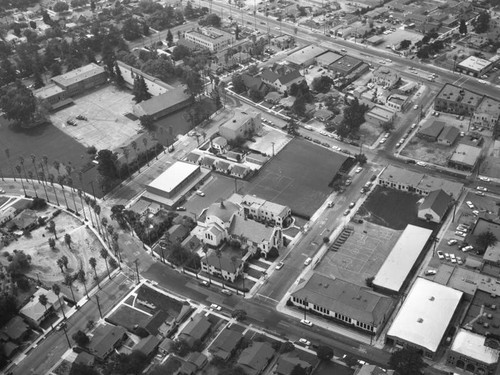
[(219, 144), (16, 329), (195, 330), (208, 162), (26, 220), (105, 340), (193, 363), (235, 156), (223, 167), (147, 345), (254, 83), (273, 97), (160, 324), (35, 313), (254, 359), (240, 171), (193, 158), (323, 115), (434, 206), (287, 362), (226, 344)]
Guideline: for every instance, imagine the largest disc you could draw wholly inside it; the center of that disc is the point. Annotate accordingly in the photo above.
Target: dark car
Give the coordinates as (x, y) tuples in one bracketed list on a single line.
[(410, 161)]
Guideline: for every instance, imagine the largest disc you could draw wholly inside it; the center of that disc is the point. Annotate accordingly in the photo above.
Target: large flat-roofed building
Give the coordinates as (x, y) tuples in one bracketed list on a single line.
[(305, 56), (163, 104), (210, 37), (474, 66), (327, 58), (53, 95), (473, 353), (465, 157), (244, 123), (402, 259), (349, 303), (345, 65), (379, 115), (414, 182), (172, 185), (81, 79), (487, 114), (455, 99), (386, 77), (424, 316)]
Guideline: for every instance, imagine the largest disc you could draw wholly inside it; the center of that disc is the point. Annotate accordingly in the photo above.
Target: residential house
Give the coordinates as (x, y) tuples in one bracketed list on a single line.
[(281, 77), (254, 359), (448, 135), (194, 362), (244, 124), (161, 323), (431, 132), (219, 144), (26, 220), (262, 210), (226, 344), (323, 115), (254, 83), (239, 171), (287, 362), (223, 167), (195, 330), (434, 206), (367, 369), (222, 266), (385, 76), (16, 330), (147, 346), (236, 156), (273, 97), (105, 340), (208, 162), (35, 313)]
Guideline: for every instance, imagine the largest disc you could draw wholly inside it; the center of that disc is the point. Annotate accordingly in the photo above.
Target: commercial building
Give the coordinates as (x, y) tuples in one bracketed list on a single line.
[(244, 124), (402, 259), (431, 132), (386, 77), (474, 66), (305, 56), (455, 99), (397, 102), (465, 157), (473, 353), (173, 184), (424, 317), (53, 95), (448, 135), (328, 58), (261, 210), (434, 206), (81, 79), (379, 115), (487, 114), (345, 65), (211, 38), (418, 183), (163, 104), (343, 301)]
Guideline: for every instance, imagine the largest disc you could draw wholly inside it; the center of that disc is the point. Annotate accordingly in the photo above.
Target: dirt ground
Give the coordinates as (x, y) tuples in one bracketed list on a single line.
[(106, 126), (43, 264), (430, 152)]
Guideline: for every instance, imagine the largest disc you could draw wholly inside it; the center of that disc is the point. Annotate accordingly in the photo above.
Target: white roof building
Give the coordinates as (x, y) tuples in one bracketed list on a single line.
[(402, 258), (173, 176), (425, 315), (472, 345)]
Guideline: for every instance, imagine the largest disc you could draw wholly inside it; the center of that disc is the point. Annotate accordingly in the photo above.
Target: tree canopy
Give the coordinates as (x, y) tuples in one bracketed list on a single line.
[(107, 163), (19, 104), (140, 90), (325, 353), (485, 240), (407, 361)]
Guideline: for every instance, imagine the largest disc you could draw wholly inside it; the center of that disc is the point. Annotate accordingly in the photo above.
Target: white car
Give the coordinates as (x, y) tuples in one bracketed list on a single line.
[(382, 141), (485, 179), (460, 234), (305, 342), (421, 163), (413, 126), (307, 127), (468, 248), (452, 242), (213, 306), (475, 212), (440, 254), (2, 191), (306, 322), (481, 188), (415, 106), (480, 193), (200, 193), (430, 272), (470, 205), (280, 265), (359, 169), (307, 261)]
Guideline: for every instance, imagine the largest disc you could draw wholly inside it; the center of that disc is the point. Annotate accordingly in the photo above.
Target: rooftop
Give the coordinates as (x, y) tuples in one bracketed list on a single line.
[(240, 117), (305, 54), (449, 133), (474, 346), (489, 106), (256, 202), (210, 33), (160, 102), (346, 63), (474, 63), (48, 91), (328, 58), (105, 338), (345, 298), (483, 315), (425, 314), (173, 176), (78, 75), (225, 343), (438, 201), (492, 253), (432, 130), (251, 230), (381, 112), (458, 94), (402, 258), (466, 155), (34, 309)]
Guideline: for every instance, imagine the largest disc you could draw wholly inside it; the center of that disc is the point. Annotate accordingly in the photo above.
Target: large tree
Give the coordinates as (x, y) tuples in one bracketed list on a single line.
[(140, 90), (462, 29), (407, 361), (107, 164), (131, 29), (482, 22), (485, 240), (325, 353), (19, 104)]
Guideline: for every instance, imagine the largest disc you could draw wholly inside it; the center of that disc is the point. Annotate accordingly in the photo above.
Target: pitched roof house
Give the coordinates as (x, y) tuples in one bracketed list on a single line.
[(106, 338), (196, 329), (281, 77), (254, 359), (434, 206), (225, 344)]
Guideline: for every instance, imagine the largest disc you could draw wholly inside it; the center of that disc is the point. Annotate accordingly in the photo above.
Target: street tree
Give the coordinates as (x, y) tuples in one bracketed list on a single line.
[(238, 84), (67, 240), (131, 29), (462, 29), (93, 264), (324, 353), (81, 338), (52, 228), (485, 240), (57, 291), (407, 361), (68, 280), (104, 255), (482, 22), (19, 104), (170, 38)]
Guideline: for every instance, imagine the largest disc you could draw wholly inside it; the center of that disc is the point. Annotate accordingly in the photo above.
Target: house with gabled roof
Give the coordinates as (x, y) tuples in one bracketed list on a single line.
[(225, 345), (448, 135), (239, 171), (105, 340), (434, 206), (254, 83), (34, 312), (193, 157), (254, 359), (281, 77), (148, 345), (195, 330), (287, 362), (223, 167), (207, 162), (16, 329)]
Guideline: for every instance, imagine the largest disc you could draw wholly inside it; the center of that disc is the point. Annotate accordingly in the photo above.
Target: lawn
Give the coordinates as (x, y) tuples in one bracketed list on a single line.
[(392, 208), (298, 176), (128, 317), (159, 300)]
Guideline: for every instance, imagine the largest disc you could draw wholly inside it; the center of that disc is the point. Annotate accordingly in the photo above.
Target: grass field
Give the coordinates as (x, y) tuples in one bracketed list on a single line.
[(161, 301), (298, 177), (379, 208), (127, 317)]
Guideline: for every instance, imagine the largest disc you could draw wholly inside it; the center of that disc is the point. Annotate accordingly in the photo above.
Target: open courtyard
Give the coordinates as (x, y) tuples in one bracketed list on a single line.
[(298, 177), (106, 126)]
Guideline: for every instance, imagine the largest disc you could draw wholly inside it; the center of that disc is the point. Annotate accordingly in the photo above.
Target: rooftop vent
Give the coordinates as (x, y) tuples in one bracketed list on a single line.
[(486, 324), (420, 320), (431, 298)]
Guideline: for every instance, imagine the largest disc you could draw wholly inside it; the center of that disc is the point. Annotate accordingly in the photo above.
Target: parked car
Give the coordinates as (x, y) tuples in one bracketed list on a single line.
[(468, 248), (214, 306), (347, 212), (352, 204), (480, 193), (470, 205), (359, 169), (415, 106), (430, 272), (485, 179), (305, 342), (452, 242), (459, 260), (227, 292), (481, 188), (461, 234), (307, 261), (440, 254), (204, 283), (180, 208), (330, 204), (280, 265), (306, 322), (200, 193)]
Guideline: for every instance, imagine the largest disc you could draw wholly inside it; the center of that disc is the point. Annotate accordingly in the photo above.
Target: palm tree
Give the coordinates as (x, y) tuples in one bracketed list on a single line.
[(52, 228), (69, 181), (80, 194), (105, 255), (205, 251), (134, 146), (33, 160), (60, 181), (88, 201), (104, 223), (68, 280), (7, 153), (145, 141), (52, 244), (30, 174), (45, 160), (51, 180), (81, 277), (21, 161), (116, 249), (93, 264), (57, 165), (42, 298), (57, 291), (41, 176), (65, 261), (18, 169), (67, 240), (59, 262), (97, 210), (126, 153)]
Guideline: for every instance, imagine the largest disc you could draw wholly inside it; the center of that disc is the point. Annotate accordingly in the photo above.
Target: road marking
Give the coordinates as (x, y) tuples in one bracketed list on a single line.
[(266, 297)]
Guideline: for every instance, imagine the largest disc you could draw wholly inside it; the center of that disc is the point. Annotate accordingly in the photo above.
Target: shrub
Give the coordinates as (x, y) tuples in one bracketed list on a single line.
[(326, 239), (38, 203), (289, 302)]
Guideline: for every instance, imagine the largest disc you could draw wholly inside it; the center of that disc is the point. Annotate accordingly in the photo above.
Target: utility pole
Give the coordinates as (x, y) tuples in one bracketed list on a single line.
[(98, 305), (66, 334), (272, 143), (305, 308), (235, 185), (137, 270)]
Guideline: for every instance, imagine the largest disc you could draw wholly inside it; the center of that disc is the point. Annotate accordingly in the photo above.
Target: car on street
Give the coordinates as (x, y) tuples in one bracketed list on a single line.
[(421, 163), (382, 141), (308, 138), (470, 205), (480, 193), (475, 213), (460, 234), (452, 242), (330, 204), (460, 260), (307, 261), (352, 204), (398, 145), (414, 125), (481, 188), (308, 127), (415, 106), (214, 306), (61, 326), (440, 254), (347, 212), (280, 265), (180, 208), (305, 342), (430, 272), (348, 182), (485, 179), (2, 191), (359, 169), (227, 292), (204, 283), (200, 193), (306, 322)]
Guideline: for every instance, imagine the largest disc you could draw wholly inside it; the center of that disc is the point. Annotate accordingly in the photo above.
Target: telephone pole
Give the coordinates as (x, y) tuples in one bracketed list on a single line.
[(137, 270)]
